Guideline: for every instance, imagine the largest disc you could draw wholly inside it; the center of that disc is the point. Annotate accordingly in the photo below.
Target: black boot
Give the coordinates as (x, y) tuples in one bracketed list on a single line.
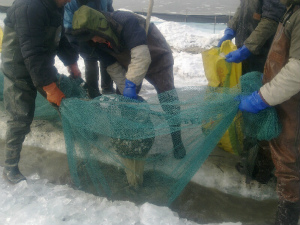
[(173, 111), (264, 165), (287, 213), (179, 149), (12, 174), (256, 162), (92, 78), (11, 170)]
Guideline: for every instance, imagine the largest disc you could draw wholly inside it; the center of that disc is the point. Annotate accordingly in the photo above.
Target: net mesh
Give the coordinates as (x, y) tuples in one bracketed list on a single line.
[(125, 149)]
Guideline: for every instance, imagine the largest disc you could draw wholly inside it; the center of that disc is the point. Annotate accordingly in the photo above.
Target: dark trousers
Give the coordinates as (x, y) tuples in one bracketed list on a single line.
[(19, 101)]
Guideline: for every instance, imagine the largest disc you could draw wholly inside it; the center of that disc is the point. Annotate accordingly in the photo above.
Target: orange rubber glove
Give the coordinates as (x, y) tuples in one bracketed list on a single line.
[(74, 70), (54, 95)]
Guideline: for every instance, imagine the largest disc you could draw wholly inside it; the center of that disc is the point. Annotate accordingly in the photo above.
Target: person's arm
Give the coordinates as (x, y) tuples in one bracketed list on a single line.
[(230, 31), (287, 82), (233, 23), (30, 27), (280, 89), (135, 39), (68, 50), (262, 33), (66, 53), (272, 13), (284, 85)]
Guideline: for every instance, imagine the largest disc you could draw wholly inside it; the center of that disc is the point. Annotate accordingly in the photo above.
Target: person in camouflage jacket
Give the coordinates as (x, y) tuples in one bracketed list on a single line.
[(254, 25), (282, 89)]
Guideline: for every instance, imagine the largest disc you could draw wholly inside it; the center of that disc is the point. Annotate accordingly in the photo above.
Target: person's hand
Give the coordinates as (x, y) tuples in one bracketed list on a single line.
[(239, 55), (229, 34), (74, 70), (130, 90), (253, 103), (54, 95)]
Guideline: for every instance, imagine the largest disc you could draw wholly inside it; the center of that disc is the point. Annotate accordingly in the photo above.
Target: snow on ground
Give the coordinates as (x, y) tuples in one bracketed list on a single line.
[(39, 202)]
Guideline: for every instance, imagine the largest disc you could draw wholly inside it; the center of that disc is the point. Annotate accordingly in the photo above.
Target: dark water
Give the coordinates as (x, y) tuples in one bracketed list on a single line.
[(197, 203), (189, 7)]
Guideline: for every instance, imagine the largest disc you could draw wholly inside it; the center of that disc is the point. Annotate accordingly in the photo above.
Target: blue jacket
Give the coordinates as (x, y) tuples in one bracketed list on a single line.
[(83, 48)]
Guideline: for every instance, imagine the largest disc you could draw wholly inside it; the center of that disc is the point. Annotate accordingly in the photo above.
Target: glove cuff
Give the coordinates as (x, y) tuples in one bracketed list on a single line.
[(258, 101), (229, 32), (50, 87), (130, 89), (245, 52), (129, 84)]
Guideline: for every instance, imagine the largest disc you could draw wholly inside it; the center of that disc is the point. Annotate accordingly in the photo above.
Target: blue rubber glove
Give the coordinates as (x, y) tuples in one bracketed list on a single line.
[(239, 55), (229, 34), (130, 90), (253, 103)]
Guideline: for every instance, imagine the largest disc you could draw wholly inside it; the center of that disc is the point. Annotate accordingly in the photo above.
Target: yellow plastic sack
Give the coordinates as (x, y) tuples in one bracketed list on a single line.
[(219, 73), (1, 38)]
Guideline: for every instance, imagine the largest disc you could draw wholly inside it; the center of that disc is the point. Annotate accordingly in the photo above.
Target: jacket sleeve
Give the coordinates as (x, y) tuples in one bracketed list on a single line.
[(133, 34), (287, 82), (265, 30), (30, 27), (66, 52), (135, 39), (272, 12), (284, 85), (234, 20)]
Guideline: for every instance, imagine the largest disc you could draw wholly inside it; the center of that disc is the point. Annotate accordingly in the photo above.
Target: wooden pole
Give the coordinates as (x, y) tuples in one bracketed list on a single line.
[(151, 3)]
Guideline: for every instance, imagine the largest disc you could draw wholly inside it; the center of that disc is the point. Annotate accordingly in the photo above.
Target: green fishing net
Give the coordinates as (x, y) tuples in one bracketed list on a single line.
[(149, 149)]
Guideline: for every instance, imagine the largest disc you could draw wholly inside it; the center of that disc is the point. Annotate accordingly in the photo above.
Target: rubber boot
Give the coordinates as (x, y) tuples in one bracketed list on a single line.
[(264, 165), (92, 78), (179, 149), (11, 171), (256, 162), (287, 213), (173, 111), (13, 174)]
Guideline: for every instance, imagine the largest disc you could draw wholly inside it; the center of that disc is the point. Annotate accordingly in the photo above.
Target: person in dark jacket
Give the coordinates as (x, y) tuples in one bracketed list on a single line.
[(282, 89), (33, 36), (253, 26), (122, 35), (86, 51)]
